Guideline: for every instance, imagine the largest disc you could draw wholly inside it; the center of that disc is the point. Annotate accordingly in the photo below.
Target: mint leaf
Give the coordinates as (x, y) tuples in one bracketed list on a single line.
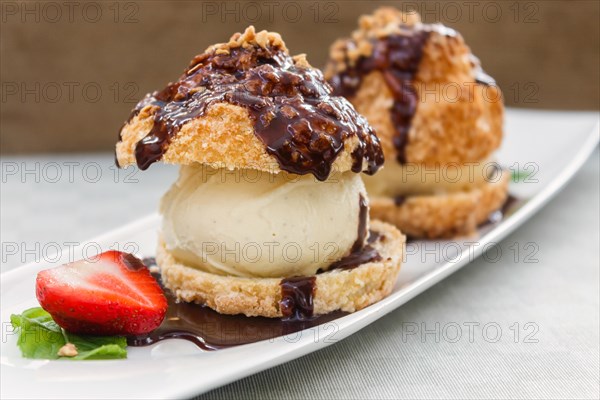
[(98, 347), (520, 176), (40, 337), (105, 352)]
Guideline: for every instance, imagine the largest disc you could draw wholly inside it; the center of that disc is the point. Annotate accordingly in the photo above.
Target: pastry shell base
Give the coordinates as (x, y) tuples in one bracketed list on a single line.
[(445, 215), (345, 290)]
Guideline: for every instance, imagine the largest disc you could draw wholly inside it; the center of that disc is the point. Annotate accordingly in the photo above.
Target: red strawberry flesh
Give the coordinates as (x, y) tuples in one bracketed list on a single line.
[(114, 294)]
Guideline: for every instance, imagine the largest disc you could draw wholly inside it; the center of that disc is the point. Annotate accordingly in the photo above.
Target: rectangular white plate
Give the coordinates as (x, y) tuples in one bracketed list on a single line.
[(553, 144)]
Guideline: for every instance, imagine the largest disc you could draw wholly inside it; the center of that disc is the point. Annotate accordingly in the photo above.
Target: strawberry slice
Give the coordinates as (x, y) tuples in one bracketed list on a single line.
[(112, 295)]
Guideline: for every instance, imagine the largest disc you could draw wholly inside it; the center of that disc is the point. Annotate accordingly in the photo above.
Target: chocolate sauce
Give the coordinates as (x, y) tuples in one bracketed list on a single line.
[(397, 57), (360, 252), (374, 237), (210, 330), (363, 218), (357, 257), (149, 261), (510, 203), (399, 200), (498, 215), (132, 262), (353, 260), (297, 292), (294, 113), (366, 254), (297, 297)]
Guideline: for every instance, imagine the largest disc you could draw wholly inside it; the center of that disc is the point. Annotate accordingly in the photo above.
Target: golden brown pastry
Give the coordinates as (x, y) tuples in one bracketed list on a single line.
[(433, 108), (269, 216)]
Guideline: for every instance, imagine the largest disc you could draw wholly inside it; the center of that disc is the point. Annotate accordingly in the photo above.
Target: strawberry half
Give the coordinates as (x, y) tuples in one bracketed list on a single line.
[(113, 295)]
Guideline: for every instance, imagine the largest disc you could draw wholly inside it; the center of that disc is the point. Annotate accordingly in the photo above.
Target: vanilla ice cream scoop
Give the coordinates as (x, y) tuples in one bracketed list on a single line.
[(250, 223)]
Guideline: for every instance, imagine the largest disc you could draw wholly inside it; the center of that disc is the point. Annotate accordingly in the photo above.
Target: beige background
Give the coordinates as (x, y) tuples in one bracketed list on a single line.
[(71, 71)]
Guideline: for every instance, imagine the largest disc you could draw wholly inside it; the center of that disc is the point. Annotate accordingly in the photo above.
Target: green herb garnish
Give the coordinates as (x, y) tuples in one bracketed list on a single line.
[(40, 337), (520, 176)]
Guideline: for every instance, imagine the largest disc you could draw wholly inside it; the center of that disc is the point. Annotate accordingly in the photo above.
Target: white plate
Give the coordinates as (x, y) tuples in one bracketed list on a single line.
[(554, 143)]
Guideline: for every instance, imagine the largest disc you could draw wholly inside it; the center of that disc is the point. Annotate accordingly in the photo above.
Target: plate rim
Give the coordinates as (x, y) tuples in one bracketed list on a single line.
[(356, 321)]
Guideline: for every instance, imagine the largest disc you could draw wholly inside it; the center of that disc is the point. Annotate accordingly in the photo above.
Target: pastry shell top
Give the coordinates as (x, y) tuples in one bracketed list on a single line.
[(248, 104), (459, 109)]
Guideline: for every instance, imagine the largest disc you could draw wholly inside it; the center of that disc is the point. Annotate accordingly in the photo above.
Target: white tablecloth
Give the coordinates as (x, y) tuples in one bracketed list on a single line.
[(525, 326)]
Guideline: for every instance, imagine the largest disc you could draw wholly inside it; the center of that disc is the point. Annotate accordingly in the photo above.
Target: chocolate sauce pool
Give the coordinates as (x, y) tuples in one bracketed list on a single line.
[(294, 112), (210, 330)]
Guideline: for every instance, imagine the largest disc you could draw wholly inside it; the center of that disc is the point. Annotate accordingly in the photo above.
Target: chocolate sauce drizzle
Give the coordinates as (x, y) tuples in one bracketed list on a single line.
[(397, 57), (132, 262), (297, 292), (399, 200), (364, 255), (297, 297), (353, 260), (294, 113), (361, 251), (363, 218)]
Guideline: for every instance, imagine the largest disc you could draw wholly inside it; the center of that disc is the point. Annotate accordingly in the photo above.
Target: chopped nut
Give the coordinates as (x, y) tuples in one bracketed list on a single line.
[(301, 61), (249, 38), (68, 350)]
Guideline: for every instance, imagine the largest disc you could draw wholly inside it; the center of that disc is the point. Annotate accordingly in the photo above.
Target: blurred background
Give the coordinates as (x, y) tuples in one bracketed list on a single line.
[(71, 71)]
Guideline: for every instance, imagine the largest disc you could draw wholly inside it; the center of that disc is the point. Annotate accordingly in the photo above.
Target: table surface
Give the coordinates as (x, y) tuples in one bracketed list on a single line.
[(523, 326)]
